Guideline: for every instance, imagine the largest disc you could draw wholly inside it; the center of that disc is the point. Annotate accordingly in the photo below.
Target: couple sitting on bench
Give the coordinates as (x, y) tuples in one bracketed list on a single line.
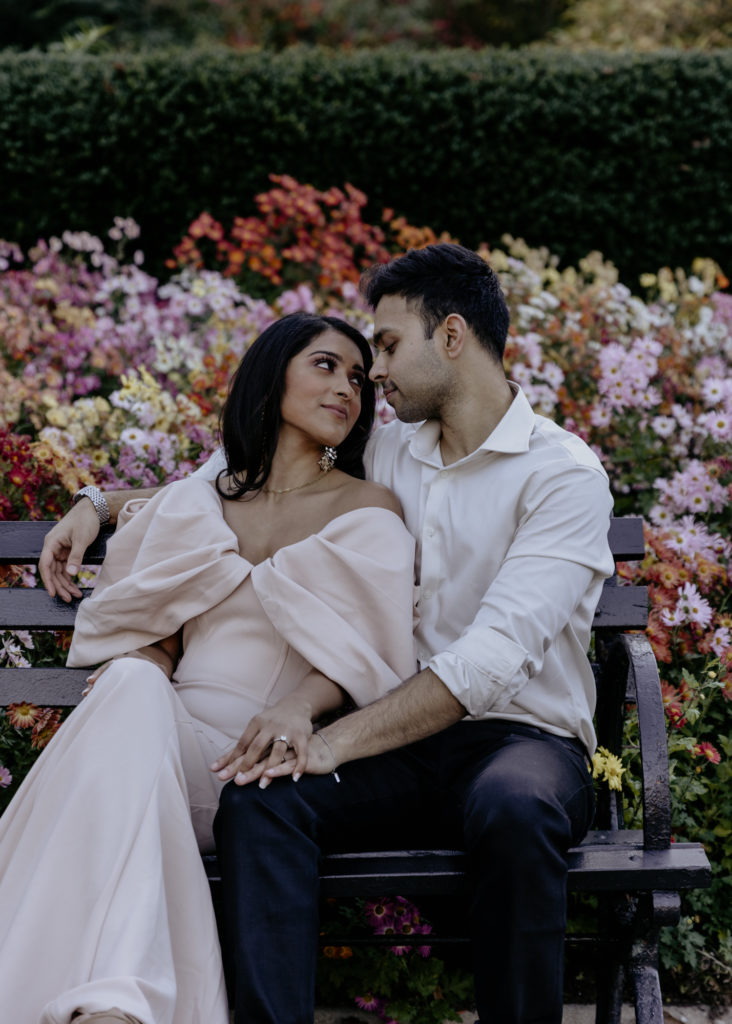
[(236, 607)]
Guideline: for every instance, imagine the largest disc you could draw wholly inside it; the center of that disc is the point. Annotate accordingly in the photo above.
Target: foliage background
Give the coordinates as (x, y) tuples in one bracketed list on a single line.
[(627, 154)]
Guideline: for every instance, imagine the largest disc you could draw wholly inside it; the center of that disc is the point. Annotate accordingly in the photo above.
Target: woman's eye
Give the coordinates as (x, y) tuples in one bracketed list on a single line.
[(357, 381), (325, 361)]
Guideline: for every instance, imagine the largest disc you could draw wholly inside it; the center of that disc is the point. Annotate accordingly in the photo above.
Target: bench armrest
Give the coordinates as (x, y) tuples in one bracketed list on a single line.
[(630, 665)]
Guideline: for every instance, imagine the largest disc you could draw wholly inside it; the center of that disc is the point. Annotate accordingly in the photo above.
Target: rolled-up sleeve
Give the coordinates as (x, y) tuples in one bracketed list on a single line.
[(542, 598)]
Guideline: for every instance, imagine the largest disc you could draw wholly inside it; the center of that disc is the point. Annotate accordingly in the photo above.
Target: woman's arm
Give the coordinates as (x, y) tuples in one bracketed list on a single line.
[(65, 544), (163, 653), (260, 746)]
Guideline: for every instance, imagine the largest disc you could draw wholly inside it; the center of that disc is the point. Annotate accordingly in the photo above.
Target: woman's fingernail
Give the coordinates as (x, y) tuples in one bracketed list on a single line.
[(296, 776)]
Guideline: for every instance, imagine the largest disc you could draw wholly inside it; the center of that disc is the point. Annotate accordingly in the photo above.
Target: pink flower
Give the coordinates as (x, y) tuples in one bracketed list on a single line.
[(378, 913), (5, 777), (720, 640), (707, 750), (696, 608), (368, 1002)]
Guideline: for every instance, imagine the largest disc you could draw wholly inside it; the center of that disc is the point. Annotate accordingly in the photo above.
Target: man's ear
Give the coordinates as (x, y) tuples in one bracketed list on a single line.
[(456, 331)]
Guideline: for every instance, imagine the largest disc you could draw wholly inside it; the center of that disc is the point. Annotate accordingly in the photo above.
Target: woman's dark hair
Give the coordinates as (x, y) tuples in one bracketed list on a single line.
[(441, 279), (250, 419)]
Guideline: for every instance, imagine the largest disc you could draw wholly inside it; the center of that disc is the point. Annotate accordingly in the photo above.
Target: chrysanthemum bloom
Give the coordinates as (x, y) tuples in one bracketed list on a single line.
[(613, 771), (378, 912), (368, 1002), (22, 716), (45, 727), (707, 750)]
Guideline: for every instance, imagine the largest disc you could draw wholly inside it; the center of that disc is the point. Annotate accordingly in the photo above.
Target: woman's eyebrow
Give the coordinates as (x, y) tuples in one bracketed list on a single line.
[(338, 358)]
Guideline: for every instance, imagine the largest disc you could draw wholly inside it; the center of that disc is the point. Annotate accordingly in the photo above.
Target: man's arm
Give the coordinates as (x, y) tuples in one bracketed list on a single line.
[(65, 544), (420, 707)]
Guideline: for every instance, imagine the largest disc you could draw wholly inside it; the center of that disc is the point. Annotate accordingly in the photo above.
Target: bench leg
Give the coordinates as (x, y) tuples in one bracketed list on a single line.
[(662, 908), (609, 993)]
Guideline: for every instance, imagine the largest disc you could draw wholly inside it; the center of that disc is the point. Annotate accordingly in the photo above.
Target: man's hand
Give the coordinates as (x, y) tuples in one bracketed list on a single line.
[(64, 547)]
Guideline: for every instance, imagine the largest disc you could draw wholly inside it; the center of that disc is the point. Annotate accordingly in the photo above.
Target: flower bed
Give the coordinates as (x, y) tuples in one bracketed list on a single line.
[(112, 377)]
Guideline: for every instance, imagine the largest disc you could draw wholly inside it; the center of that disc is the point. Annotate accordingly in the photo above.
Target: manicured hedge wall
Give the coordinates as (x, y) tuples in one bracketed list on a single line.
[(629, 154)]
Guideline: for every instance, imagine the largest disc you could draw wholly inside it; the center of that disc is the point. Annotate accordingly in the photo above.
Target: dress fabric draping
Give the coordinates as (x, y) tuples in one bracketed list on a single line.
[(103, 897)]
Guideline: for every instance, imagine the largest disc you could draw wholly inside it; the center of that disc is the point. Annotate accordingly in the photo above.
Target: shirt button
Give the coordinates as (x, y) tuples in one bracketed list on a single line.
[(427, 594), (443, 474), (430, 531)]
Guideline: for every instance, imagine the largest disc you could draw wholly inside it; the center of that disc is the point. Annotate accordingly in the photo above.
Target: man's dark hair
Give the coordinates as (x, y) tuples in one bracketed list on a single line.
[(250, 419), (442, 279)]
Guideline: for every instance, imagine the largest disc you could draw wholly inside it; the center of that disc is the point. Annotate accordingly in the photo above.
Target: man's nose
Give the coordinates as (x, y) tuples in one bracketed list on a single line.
[(377, 371)]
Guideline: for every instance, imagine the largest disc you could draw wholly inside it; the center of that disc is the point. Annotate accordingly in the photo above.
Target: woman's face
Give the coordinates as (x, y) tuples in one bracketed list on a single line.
[(323, 384)]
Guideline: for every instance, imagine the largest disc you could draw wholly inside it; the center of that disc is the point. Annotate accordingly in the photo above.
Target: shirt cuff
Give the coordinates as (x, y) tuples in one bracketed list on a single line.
[(483, 673)]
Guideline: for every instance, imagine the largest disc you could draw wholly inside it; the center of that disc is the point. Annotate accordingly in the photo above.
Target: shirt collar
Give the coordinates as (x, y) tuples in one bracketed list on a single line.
[(511, 434)]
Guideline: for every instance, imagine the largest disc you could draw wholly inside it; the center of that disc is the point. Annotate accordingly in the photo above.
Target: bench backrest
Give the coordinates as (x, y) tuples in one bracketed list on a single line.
[(620, 607)]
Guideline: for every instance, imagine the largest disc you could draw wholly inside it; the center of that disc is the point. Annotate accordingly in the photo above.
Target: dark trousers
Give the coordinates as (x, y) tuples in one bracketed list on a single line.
[(513, 796)]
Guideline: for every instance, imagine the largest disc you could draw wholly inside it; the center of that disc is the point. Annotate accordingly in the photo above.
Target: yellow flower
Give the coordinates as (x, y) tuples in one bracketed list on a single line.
[(613, 771), (58, 416), (607, 766), (598, 763)]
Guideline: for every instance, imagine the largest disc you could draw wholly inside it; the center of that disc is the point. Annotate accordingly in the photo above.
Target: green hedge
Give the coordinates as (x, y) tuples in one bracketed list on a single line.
[(629, 154)]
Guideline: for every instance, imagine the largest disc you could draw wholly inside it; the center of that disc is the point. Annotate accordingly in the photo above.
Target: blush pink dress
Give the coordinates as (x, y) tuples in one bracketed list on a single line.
[(103, 897)]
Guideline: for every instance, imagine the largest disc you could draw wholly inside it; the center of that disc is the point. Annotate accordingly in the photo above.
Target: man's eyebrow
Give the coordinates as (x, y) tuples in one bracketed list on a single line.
[(379, 336)]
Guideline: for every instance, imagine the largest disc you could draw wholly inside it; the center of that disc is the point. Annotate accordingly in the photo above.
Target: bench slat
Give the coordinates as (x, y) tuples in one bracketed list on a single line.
[(32, 608), (54, 687), (603, 862), (21, 542)]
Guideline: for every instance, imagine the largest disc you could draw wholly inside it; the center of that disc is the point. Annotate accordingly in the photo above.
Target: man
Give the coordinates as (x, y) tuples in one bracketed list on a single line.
[(487, 745)]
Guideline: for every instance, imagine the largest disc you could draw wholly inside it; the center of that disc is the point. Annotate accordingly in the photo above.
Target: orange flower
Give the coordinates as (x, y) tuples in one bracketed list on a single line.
[(44, 729)]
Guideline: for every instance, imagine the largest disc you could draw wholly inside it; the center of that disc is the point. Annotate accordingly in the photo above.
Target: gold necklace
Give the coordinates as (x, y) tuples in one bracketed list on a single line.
[(286, 490)]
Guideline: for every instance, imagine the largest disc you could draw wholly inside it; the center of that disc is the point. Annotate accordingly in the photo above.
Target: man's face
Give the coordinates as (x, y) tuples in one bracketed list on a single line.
[(415, 379)]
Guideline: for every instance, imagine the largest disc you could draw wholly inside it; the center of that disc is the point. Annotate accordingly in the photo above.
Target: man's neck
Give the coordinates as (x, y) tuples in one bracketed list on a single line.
[(465, 426)]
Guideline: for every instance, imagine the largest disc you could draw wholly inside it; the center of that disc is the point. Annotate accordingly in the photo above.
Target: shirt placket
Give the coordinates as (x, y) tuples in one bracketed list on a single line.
[(431, 558)]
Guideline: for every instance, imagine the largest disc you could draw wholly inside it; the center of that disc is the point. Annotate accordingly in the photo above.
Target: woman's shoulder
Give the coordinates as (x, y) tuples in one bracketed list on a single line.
[(356, 494)]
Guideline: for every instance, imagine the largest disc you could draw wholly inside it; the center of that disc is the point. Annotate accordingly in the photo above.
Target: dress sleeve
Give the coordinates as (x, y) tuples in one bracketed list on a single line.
[(344, 600), (172, 557)]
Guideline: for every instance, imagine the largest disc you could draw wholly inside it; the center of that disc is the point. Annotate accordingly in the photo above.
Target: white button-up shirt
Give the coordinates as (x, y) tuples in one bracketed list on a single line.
[(512, 552)]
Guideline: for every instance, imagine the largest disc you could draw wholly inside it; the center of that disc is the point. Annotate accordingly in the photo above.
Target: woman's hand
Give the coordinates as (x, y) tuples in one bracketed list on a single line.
[(64, 547), (275, 735)]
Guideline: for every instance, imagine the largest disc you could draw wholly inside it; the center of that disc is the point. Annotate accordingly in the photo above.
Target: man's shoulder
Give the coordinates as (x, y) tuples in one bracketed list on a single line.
[(550, 442)]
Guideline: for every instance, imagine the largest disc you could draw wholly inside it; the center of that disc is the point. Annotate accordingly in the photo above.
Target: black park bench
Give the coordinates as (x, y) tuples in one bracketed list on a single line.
[(637, 875)]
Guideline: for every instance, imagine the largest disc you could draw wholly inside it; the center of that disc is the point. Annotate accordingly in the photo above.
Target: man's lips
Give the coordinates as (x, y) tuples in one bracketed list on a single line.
[(388, 390)]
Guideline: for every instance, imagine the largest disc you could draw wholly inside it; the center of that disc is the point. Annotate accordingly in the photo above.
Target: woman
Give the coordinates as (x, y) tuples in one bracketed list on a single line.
[(264, 599)]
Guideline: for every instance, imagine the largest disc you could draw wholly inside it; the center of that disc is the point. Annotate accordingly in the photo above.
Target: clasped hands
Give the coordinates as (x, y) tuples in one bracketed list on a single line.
[(278, 741)]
